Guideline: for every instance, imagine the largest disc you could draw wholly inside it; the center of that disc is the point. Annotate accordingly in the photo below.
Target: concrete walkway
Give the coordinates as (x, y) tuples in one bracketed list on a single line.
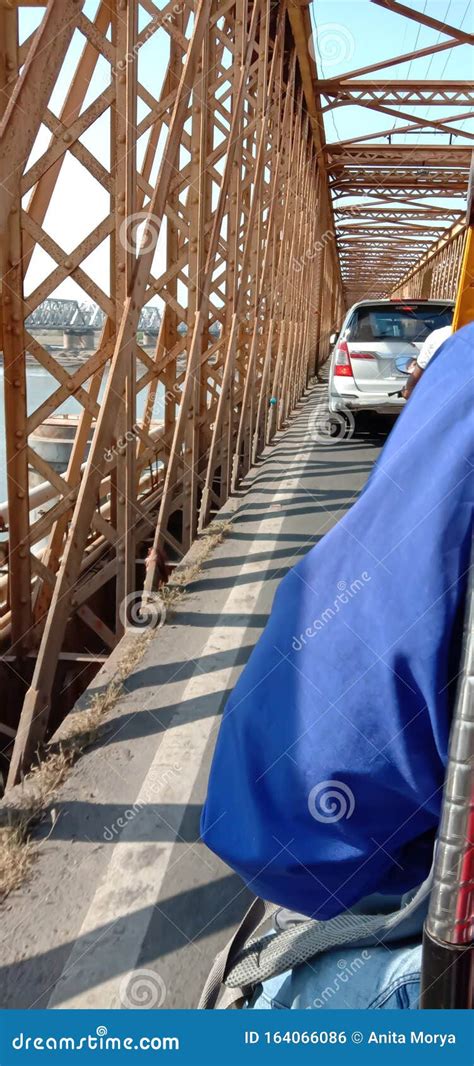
[(124, 906)]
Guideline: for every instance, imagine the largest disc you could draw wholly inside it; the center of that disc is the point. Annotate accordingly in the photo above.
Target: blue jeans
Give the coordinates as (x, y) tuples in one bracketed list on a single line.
[(385, 976), (381, 973)]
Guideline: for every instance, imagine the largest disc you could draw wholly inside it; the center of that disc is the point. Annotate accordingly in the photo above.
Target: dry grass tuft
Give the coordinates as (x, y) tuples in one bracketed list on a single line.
[(16, 854), (184, 575), (41, 784), (78, 732)]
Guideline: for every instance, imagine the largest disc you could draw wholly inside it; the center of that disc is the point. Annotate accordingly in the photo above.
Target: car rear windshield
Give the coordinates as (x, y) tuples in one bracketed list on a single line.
[(398, 321)]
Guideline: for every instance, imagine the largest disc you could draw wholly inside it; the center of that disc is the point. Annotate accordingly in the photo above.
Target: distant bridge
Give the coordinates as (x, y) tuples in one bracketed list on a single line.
[(54, 313)]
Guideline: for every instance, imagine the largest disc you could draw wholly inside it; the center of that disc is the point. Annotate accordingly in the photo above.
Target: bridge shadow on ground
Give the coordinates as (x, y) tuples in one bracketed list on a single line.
[(134, 889)]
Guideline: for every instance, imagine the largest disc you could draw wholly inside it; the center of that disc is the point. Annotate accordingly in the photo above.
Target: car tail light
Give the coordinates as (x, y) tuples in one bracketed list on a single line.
[(362, 355), (342, 363)]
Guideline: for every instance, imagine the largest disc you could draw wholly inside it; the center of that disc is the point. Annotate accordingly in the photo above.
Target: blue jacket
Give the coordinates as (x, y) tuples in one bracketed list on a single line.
[(327, 777)]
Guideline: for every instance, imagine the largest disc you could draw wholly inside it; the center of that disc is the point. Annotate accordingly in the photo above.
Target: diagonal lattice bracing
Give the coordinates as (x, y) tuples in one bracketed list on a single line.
[(197, 261)]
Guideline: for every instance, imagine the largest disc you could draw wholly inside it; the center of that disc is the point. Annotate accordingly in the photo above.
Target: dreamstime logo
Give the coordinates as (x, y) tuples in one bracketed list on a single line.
[(174, 393), (329, 801), (142, 990), (115, 829), (345, 971), (156, 22), (141, 611), (310, 253), (140, 230), (157, 780), (327, 426), (344, 595), (332, 45), (121, 444)]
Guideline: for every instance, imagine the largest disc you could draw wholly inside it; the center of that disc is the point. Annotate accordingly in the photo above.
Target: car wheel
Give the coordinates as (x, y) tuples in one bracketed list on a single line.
[(341, 425), (334, 427)]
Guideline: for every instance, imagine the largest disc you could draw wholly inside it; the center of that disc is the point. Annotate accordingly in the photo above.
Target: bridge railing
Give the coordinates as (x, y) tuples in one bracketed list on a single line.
[(216, 211), (437, 273)]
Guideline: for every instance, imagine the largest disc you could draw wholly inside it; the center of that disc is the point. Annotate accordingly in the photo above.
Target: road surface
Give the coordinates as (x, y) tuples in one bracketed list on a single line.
[(124, 906)]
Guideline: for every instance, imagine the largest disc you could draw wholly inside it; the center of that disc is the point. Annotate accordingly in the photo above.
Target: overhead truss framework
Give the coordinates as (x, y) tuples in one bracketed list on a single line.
[(222, 203), (388, 196)]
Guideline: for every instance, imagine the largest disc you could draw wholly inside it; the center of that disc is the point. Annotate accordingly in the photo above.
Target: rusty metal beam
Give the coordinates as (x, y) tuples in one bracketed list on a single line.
[(426, 20), (394, 61), (397, 154), (433, 94)]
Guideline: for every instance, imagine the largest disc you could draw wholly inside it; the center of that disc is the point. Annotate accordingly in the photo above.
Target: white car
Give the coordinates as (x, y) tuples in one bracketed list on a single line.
[(378, 341)]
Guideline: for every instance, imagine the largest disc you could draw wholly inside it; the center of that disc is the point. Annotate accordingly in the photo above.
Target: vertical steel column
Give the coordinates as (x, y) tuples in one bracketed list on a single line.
[(123, 259), (14, 367)]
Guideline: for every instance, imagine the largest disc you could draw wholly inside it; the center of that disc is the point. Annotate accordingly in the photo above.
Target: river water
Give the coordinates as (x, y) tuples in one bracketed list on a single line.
[(40, 385)]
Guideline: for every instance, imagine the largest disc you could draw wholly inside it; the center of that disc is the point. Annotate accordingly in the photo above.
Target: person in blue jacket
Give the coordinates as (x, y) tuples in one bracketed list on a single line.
[(327, 777)]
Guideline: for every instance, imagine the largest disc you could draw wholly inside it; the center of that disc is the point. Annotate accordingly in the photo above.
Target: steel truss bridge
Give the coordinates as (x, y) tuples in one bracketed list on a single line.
[(225, 201), (55, 313)]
